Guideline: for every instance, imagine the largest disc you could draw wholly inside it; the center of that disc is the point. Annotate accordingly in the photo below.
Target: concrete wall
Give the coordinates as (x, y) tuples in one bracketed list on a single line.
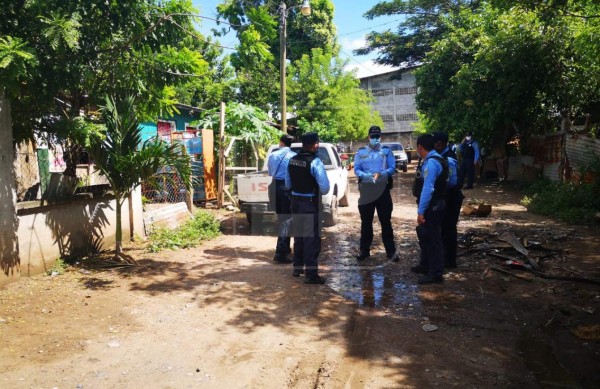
[(394, 94), (9, 255), (77, 227)]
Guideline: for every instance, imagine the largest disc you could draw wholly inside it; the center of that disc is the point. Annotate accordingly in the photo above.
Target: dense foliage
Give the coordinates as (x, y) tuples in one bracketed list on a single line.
[(499, 67), (59, 58), (328, 100), (577, 204), (321, 95)]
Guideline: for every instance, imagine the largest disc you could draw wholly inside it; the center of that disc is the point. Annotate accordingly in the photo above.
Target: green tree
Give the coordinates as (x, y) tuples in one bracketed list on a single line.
[(257, 59), (328, 99), (217, 83), (126, 162), (421, 26), (256, 24), (243, 121), (246, 123), (67, 54), (503, 70)]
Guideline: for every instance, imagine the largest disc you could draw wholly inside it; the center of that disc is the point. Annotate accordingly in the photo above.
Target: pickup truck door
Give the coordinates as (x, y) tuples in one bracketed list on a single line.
[(340, 175)]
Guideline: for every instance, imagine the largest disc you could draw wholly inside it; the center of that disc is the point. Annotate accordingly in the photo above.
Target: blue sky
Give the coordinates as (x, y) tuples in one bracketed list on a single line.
[(351, 28)]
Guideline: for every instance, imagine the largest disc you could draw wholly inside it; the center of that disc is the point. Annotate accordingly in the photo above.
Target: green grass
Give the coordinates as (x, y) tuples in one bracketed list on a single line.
[(203, 226), (575, 204)]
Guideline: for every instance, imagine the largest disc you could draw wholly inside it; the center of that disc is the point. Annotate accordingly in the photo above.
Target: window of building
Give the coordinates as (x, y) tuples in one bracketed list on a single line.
[(406, 117), (382, 92), (387, 118), (406, 91)]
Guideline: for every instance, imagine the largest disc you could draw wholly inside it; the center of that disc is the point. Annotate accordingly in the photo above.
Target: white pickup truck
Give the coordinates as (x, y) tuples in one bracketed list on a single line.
[(252, 187)]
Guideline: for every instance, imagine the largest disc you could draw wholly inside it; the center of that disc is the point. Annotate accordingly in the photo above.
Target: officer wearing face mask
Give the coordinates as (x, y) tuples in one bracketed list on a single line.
[(469, 150), (374, 166)]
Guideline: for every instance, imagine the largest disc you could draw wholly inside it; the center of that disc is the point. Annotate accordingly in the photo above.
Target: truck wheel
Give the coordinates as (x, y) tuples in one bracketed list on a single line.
[(331, 217), (344, 201), (404, 168)]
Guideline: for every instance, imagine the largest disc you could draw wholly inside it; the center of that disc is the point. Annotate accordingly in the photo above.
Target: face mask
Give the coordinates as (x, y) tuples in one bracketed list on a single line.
[(468, 138), (374, 142)]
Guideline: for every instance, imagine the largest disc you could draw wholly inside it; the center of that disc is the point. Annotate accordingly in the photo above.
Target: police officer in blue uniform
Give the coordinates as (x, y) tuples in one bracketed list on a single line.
[(469, 151), (307, 179), (454, 199), (374, 166), (277, 165), (430, 189)]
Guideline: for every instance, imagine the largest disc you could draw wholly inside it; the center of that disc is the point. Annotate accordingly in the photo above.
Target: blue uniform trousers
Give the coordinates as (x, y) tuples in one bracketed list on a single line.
[(384, 206), (307, 234), (467, 170), (430, 240), (454, 199), (284, 218)]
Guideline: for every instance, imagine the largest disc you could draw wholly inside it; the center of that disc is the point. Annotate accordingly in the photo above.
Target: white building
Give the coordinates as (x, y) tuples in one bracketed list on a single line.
[(394, 93)]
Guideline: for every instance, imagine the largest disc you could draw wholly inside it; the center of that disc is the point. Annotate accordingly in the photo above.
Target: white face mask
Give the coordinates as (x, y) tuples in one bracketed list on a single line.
[(468, 138), (374, 142)]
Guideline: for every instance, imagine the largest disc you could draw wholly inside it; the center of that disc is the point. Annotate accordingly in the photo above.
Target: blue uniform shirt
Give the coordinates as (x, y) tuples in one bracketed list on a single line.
[(317, 169), (431, 170), (475, 145), (452, 170), (278, 162), (369, 161)]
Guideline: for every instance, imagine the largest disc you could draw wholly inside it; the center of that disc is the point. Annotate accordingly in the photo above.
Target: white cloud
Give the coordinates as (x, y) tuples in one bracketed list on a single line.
[(353, 44)]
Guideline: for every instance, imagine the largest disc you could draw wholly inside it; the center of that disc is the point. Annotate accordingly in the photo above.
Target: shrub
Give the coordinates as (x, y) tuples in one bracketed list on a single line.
[(576, 204), (58, 268), (203, 226)]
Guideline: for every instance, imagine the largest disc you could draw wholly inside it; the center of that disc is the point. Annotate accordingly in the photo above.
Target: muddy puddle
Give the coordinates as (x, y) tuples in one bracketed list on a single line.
[(375, 282)]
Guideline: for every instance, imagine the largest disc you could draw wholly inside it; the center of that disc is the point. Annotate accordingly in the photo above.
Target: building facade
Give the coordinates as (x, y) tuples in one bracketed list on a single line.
[(394, 93)]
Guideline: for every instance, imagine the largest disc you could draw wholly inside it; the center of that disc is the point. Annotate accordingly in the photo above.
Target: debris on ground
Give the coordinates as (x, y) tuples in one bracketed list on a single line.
[(476, 208), (526, 254)]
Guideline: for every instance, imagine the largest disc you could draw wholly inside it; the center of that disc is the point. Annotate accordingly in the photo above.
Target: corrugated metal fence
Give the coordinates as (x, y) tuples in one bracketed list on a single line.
[(558, 157)]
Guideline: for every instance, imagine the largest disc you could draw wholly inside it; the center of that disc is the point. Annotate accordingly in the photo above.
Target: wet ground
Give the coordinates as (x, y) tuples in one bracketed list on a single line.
[(496, 311)]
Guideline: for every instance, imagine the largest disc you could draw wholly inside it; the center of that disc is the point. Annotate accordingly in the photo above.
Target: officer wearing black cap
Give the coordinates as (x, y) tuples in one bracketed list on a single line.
[(454, 199), (469, 151), (307, 179), (430, 190), (374, 166)]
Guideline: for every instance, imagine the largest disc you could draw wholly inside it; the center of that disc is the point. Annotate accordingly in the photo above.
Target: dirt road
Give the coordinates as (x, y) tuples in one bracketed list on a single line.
[(224, 316)]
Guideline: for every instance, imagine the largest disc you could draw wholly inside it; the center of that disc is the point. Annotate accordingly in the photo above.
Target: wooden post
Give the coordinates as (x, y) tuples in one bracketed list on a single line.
[(221, 183)]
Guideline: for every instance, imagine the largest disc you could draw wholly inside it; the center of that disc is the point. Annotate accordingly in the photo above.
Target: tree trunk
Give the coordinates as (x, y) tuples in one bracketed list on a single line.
[(119, 230)]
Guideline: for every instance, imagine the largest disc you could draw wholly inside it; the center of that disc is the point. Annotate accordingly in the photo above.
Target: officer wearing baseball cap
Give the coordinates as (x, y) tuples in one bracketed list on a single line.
[(307, 179), (374, 166)]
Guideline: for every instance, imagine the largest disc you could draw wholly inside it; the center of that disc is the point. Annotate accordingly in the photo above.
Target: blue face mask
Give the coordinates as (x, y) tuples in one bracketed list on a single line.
[(374, 142)]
